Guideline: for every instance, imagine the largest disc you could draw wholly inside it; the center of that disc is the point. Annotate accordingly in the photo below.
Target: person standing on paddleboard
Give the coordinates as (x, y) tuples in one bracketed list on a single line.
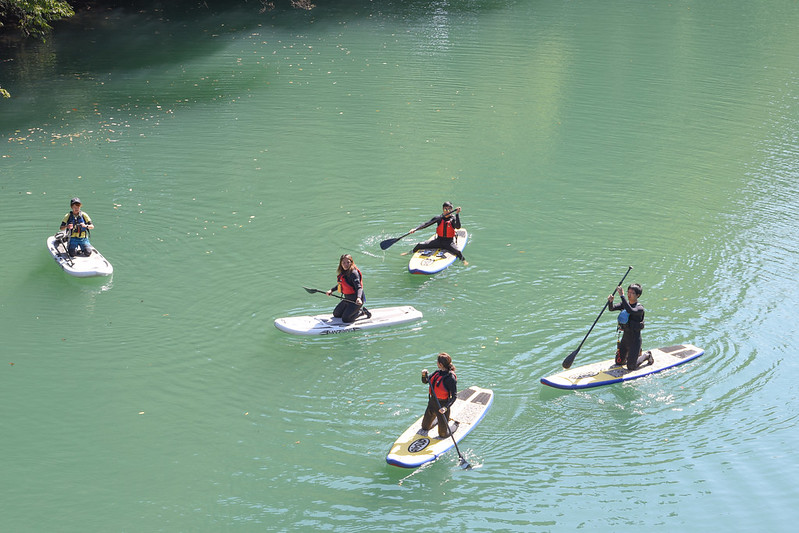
[(78, 224), (350, 285), (442, 391), (446, 223), (631, 322)]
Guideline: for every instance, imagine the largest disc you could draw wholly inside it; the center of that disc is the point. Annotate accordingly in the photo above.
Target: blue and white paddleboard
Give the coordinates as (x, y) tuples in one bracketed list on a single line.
[(432, 260), (327, 325), (416, 446), (607, 372)]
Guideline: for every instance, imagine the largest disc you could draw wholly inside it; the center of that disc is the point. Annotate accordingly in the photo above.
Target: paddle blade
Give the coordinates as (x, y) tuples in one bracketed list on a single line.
[(388, 243), (311, 291), (567, 363)]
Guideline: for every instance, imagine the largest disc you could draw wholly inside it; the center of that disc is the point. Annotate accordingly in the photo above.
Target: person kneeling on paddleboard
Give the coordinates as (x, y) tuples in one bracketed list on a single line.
[(446, 224), (442, 392), (78, 224), (350, 284), (631, 322)]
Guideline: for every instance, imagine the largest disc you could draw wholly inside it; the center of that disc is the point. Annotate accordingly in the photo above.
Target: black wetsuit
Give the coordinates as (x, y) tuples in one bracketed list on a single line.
[(450, 382), (444, 243), (630, 345)]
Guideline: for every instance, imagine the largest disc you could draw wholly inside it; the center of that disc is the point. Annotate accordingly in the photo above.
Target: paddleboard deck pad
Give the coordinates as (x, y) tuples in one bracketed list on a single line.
[(78, 266), (607, 372), (416, 446), (432, 260), (327, 325)]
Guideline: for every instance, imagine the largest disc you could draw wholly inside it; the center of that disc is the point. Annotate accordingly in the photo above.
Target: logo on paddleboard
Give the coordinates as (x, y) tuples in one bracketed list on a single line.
[(418, 445), (334, 331)]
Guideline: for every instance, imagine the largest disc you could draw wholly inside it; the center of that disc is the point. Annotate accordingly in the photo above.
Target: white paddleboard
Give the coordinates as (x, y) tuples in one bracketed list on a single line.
[(607, 372), (416, 446), (326, 324), (430, 261), (79, 266)]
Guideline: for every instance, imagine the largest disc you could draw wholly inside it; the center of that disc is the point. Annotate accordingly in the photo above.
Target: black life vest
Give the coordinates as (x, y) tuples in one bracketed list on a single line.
[(77, 231)]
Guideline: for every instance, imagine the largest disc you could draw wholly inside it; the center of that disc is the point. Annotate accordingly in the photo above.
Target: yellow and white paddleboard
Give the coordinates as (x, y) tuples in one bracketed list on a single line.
[(607, 372), (416, 446), (432, 260)]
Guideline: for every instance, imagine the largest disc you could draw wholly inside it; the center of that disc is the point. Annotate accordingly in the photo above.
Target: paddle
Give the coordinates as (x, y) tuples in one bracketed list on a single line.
[(462, 463), (567, 363), (62, 238), (388, 243), (323, 292), (365, 310)]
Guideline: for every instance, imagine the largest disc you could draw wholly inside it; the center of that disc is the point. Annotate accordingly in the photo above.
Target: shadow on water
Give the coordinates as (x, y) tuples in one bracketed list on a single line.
[(98, 45)]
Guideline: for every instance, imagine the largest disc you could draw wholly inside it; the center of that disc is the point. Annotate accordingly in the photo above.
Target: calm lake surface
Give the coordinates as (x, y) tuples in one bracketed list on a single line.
[(228, 159)]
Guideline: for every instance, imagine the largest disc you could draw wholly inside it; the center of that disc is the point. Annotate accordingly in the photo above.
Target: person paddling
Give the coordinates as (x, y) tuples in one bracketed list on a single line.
[(446, 225), (442, 393), (630, 322), (78, 224), (350, 285)]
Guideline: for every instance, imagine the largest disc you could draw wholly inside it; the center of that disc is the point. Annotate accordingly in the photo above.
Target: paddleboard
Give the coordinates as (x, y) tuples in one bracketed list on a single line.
[(416, 446), (607, 372), (78, 266), (327, 325), (430, 261)]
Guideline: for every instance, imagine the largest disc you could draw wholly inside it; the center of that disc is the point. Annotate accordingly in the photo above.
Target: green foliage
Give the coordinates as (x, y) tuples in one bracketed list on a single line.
[(33, 17)]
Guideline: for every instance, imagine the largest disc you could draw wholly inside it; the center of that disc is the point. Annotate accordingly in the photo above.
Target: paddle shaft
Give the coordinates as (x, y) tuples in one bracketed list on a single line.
[(567, 363), (463, 461), (64, 243), (324, 292), (365, 310), (388, 243)]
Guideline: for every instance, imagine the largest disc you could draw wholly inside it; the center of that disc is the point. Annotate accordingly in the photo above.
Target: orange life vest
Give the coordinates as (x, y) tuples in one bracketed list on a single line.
[(437, 385), (445, 228), (344, 287)]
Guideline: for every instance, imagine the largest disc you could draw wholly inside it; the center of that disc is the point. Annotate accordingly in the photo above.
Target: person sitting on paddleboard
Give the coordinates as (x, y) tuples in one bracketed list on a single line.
[(78, 224), (631, 322), (442, 391), (446, 224), (350, 285)]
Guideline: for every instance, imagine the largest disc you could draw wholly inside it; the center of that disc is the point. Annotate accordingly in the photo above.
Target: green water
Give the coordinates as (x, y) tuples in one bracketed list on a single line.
[(228, 160)]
